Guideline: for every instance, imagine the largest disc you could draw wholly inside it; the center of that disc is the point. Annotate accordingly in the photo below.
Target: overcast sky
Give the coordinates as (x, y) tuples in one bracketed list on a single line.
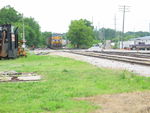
[(56, 15)]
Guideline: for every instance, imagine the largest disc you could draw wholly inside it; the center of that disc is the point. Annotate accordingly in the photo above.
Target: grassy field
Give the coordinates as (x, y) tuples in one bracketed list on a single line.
[(63, 80)]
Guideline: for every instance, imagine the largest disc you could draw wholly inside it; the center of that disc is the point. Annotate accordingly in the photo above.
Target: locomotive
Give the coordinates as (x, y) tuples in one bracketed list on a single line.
[(54, 42)]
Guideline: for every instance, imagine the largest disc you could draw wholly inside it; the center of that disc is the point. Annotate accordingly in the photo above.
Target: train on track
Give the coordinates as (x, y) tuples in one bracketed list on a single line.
[(140, 43), (54, 42), (140, 46)]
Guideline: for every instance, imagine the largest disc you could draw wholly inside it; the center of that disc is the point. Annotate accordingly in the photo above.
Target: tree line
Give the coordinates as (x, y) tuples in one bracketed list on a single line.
[(81, 33), (111, 34)]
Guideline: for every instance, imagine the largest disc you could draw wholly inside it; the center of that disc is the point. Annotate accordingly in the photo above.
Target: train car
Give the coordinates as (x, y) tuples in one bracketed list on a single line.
[(54, 42), (140, 43), (140, 46)]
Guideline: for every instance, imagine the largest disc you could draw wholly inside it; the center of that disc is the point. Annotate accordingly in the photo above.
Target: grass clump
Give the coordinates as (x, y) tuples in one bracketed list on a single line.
[(63, 80)]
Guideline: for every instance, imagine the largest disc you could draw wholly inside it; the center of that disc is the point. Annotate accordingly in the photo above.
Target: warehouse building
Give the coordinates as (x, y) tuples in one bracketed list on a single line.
[(142, 43)]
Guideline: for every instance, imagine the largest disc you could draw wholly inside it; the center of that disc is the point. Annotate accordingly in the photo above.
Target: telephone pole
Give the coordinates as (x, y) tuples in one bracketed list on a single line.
[(149, 27), (115, 24), (92, 20), (23, 33), (124, 9)]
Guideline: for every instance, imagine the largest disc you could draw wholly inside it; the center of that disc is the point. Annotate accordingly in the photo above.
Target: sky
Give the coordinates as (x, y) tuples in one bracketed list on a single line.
[(56, 15)]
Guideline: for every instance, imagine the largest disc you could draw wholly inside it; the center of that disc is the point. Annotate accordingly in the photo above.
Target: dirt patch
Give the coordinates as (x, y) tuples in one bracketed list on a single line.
[(137, 102), (13, 76)]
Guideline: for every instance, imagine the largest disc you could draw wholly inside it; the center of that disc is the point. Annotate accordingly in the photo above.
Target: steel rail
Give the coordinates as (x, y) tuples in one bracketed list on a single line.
[(129, 59), (132, 54)]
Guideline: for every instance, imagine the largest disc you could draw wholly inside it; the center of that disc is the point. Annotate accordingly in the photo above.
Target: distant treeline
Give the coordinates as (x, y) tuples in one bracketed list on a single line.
[(111, 34)]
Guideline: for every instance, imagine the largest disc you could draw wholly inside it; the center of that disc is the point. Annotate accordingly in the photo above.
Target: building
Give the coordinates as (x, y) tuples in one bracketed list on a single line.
[(137, 43), (126, 44), (145, 40)]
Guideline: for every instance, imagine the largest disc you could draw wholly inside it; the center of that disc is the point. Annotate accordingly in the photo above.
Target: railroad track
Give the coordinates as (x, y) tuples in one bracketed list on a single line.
[(132, 58), (132, 54)]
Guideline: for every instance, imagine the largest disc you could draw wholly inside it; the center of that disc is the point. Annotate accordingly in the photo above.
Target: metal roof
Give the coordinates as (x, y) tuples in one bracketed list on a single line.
[(141, 38)]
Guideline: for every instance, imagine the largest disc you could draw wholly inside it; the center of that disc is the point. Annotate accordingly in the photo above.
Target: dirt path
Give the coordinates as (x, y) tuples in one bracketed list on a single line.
[(137, 102)]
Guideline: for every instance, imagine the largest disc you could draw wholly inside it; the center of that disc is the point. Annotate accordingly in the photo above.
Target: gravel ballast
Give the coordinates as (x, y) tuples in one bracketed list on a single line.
[(138, 69)]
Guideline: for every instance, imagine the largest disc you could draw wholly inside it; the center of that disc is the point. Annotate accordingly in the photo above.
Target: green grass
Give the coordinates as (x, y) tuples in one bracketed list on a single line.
[(63, 79)]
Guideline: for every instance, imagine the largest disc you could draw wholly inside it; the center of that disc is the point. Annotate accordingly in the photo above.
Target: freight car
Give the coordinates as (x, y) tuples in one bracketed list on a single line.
[(54, 42), (140, 46)]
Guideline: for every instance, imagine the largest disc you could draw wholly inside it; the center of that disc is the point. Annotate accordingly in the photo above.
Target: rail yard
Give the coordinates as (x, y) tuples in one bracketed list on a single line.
[(131, 57), (134, 61), (57, 62), (142, 58)]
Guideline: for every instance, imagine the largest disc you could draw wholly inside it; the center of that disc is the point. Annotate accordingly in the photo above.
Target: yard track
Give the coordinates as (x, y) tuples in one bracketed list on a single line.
[(132, 54), (130, 57)]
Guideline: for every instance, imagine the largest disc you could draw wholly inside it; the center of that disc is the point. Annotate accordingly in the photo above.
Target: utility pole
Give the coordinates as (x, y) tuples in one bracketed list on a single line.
[(115, 24), (149, 27), (99, 33), (92, 20), (23, 33), (115, 28), (103, 36), (124, 9)]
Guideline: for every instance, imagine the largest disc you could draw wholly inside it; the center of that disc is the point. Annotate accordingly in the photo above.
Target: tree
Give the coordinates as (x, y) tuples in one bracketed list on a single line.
[(8, 15), (44, 37), (80, 33), (32, 32), (88, 23)]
